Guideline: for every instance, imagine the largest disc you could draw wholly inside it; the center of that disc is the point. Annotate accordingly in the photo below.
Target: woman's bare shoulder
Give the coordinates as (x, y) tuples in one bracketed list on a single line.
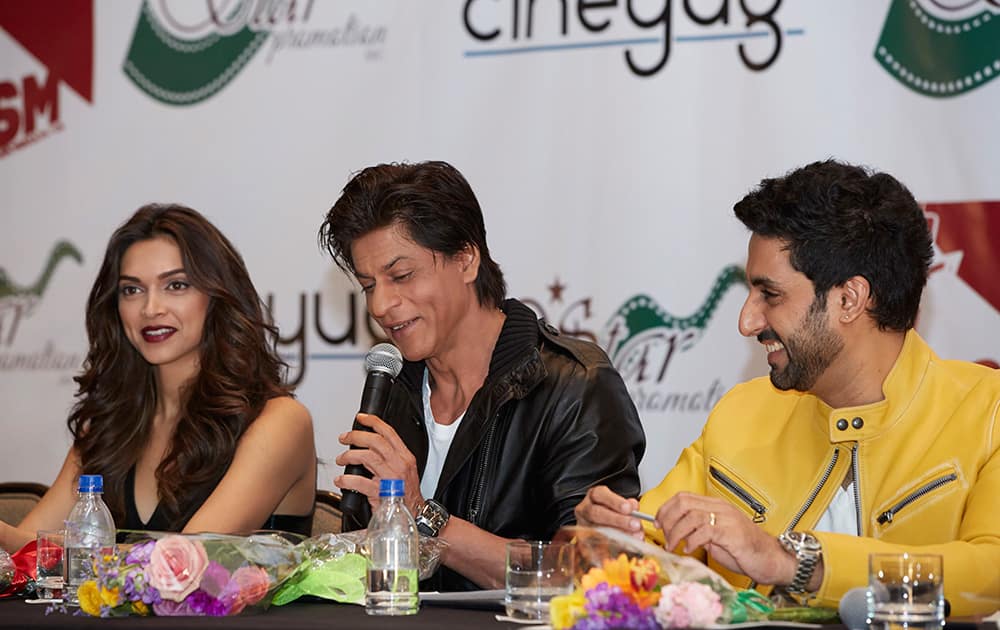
[(283, 413)]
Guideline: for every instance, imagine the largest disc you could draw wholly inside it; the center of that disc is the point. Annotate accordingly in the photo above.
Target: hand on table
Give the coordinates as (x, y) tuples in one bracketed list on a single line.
[(603, 507), (729, 536)]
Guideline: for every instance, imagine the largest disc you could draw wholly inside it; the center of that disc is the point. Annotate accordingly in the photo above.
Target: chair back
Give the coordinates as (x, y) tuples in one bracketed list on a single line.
[(18, 498), (328, 518)]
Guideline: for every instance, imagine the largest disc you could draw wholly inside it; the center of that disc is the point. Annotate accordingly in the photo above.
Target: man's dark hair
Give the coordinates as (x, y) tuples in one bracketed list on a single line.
[(840, 221), (431, 200)]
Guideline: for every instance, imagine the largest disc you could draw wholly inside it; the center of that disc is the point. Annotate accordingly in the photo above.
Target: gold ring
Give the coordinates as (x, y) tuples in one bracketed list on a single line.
[(711, 519)]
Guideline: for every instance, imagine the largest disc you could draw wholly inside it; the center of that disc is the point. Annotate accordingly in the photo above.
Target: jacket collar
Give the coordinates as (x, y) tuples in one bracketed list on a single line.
[(852, 424), (516, 368), (516, 346)]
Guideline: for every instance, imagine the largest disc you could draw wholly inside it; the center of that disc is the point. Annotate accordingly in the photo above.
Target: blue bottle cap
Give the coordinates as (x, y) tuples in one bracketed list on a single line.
[(91, 483), (390, 488)]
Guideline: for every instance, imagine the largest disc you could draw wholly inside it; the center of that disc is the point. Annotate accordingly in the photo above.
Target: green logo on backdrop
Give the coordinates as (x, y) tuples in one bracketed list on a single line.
[(17, 301), (640, 324), (181, 71), (948, 52)]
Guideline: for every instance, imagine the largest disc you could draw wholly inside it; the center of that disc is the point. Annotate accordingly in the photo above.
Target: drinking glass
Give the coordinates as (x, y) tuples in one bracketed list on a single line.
[(536, 572), (905, 591), (49, 563)]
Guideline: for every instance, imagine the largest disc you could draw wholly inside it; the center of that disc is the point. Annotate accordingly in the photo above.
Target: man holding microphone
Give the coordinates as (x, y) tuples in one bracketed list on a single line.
[(497, 423)]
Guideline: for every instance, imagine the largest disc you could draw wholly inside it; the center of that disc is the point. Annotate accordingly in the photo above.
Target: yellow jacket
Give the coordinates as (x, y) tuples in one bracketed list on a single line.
[(927, 471)]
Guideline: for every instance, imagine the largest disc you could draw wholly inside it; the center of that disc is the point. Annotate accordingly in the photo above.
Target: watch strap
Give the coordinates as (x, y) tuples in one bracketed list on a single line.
[(807, 552)]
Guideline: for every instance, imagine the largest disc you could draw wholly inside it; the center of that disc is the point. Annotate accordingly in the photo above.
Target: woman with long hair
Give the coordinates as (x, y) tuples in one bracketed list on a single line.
[(181, 404)]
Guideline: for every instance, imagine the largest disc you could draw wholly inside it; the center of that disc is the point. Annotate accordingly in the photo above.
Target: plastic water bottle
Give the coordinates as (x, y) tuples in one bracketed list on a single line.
[(90, 534), (394, 555)]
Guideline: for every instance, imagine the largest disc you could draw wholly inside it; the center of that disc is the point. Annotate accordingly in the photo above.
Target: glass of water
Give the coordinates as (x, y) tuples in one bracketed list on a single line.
[(905, 591), (537, 571), (49, 563)]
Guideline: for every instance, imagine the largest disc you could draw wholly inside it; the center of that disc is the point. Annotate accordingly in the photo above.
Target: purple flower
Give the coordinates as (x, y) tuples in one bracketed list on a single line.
[(169, 608), (129, 584), (608, 607), (135, 587), (198, 603), (204, 604), (139, 554), (215, 579)]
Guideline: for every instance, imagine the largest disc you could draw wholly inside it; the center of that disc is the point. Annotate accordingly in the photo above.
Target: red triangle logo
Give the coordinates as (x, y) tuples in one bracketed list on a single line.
[(973, 228), (60, 33)]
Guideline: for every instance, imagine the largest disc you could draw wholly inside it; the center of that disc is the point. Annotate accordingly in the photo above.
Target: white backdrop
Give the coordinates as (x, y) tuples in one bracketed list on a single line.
[(598, 185)]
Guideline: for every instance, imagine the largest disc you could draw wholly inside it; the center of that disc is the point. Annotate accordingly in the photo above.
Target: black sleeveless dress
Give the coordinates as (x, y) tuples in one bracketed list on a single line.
[(159, 521)]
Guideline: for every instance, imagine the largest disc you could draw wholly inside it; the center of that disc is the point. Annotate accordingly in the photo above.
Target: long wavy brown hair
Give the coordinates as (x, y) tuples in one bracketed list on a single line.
[(240, 369)]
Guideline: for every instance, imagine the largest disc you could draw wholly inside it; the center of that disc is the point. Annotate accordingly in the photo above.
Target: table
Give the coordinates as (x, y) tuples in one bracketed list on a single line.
[(15, 613)]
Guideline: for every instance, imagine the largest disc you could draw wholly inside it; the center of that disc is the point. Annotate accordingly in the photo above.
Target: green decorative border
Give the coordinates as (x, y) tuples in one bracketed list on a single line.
[(935, 57), (179, 72)]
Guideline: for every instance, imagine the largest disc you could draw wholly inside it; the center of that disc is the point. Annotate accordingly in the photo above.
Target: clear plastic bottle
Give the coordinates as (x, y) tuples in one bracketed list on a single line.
[(90, 534), (394, 555)]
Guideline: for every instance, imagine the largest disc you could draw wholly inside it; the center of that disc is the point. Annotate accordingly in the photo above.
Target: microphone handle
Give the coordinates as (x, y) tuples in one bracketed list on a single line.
[(374, 397)]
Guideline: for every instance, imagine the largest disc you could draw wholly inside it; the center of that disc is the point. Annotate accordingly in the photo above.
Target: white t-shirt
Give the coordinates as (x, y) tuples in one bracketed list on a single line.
[(440, 438), (840, 517)]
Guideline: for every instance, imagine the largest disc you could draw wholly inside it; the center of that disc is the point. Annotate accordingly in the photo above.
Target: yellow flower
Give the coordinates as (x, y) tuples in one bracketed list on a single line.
[(90, 598), (565, 609), (109, 596), (592, 578), (140, 608), (619, 572)]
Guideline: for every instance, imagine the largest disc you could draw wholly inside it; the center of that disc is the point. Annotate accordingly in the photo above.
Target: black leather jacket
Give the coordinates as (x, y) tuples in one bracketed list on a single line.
[(552, 419)]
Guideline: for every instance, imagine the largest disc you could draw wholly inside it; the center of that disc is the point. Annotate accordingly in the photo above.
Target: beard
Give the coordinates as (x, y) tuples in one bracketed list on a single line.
[(810, 350)]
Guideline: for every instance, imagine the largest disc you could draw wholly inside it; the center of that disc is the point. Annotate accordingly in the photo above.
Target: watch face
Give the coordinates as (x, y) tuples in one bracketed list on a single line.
[(433, 517)]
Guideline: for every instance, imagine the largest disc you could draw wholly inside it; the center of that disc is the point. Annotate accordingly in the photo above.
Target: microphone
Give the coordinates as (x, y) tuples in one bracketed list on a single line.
[(382, 363), (853, 609)]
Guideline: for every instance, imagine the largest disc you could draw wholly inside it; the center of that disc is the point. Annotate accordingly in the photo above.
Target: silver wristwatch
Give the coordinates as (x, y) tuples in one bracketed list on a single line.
[(808, 552), (432, 518)]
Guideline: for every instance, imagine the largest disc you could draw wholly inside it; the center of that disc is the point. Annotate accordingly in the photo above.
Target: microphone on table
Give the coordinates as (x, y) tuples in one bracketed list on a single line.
[(382, 363), (853, 608)]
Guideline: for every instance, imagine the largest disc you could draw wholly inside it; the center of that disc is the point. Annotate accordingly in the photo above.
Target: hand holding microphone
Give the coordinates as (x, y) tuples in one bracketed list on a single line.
[(383, 364)]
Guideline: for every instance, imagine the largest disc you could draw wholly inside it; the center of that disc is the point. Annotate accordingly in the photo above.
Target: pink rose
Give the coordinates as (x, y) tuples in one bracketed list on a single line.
[(254, 583), (247, 586), (176, 566), (688, 604)]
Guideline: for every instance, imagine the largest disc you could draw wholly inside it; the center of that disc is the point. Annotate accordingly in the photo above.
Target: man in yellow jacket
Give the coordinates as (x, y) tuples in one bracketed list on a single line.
[(862, 440)]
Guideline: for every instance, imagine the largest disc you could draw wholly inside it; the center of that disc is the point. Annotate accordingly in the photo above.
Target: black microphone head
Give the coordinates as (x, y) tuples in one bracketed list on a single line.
[(384, 357)]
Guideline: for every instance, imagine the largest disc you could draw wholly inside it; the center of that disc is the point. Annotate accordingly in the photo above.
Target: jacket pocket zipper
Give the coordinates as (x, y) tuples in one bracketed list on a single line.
[(888, 515), (758, 509), (479, 481)]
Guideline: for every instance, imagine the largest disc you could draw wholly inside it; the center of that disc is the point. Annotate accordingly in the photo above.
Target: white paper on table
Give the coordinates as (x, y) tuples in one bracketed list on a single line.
[(534, 623), (766, 623), (493, 596)]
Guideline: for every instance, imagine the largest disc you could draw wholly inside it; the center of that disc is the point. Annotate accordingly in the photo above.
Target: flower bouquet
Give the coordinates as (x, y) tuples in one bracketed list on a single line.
[(188, 574), (333, 566), (628, 583)]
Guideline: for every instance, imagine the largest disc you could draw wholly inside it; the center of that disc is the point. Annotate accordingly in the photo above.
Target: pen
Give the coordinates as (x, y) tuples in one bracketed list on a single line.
[(643, 516)]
